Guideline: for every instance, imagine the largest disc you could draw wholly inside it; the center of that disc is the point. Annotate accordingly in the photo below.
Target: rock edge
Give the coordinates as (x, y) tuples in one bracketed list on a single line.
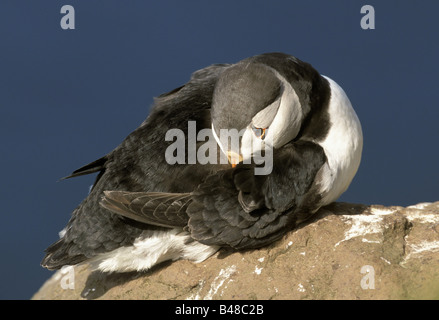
[(348, 251)]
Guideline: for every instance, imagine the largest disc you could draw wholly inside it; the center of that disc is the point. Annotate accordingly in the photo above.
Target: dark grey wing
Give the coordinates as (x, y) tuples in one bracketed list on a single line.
[(138, 164), (235, 208), (154, 208), (238, 209)]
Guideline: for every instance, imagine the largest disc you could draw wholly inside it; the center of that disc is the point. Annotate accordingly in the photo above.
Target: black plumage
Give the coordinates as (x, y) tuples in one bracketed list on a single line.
[(137, 190)]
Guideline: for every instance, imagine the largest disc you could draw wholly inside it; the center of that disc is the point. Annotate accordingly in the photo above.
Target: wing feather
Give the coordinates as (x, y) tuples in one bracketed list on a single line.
[(155, 208)]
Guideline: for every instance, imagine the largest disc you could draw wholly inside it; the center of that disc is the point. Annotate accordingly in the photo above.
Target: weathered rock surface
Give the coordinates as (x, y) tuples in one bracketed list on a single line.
[(347, 251)]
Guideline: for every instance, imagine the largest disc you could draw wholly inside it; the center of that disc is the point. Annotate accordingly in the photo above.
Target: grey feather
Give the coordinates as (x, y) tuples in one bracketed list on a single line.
[(154, 208)]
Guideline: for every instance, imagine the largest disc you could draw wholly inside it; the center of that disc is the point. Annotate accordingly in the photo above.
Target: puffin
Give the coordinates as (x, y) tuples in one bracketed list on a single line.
[(297, 145)]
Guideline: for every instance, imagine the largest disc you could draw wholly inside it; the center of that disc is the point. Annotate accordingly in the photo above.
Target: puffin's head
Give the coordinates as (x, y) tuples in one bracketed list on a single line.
[(253, 109)]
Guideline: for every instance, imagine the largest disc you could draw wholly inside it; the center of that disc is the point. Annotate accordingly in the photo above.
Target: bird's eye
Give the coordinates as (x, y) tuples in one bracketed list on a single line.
[(259, 132)]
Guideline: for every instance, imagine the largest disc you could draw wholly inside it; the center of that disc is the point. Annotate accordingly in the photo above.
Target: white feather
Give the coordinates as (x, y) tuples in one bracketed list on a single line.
[(151, 248), (343, 145), (284, 127), (288, 120)]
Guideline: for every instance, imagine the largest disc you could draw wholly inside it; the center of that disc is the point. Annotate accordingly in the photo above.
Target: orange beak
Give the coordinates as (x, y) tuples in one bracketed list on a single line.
[(234, 158)]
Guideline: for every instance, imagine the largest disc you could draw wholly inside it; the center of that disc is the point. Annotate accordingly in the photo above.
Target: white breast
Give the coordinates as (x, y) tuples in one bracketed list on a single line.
[(343, 145)]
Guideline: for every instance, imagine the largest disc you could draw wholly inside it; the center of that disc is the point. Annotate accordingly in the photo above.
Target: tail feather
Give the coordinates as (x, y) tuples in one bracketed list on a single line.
[(95, 166), (57, 256)]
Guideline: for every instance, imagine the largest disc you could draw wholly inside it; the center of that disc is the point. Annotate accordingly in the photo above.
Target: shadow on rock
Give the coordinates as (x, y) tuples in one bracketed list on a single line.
[(98, 282)]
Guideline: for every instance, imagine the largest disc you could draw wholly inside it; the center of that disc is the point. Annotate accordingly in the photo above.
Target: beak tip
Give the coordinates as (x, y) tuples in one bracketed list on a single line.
[(234, 158)]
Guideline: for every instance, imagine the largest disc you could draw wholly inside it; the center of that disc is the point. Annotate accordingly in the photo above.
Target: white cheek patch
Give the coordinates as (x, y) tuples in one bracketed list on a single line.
[(265, 117), (288, 120), (251, 148), (283, 118)]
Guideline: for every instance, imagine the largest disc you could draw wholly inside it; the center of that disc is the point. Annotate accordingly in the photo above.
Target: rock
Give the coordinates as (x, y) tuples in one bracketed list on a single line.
[(348, 251)]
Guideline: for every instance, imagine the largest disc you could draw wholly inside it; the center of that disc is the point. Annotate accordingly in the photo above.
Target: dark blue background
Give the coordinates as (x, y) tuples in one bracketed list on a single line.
[(67, 97)]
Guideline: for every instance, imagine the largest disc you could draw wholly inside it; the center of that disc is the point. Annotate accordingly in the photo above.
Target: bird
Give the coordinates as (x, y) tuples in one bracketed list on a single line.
[(144, 209)]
